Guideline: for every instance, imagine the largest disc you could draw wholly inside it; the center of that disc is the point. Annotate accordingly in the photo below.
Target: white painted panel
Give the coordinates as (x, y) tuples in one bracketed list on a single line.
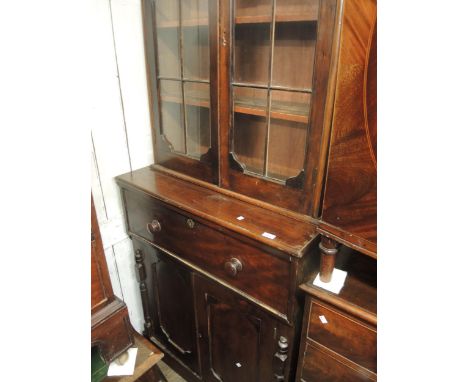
[(109, 136), (129, 45), (113, 272), (130, 287), (113, 231), (121, 137), (96, 191)]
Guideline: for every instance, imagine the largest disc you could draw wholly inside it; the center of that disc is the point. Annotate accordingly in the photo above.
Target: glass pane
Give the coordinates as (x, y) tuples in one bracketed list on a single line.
[(194, 12), (195, 39), (197, 111), (172, 114), (167, 21), (250, 127), (248, 11), (252, 41), (290, 106), (294, 49), (167, 13), (295, 10), (289, 117)]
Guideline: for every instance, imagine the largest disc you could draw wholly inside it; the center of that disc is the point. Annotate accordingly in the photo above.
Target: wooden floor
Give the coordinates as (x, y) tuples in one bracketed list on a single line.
[(170, 374)]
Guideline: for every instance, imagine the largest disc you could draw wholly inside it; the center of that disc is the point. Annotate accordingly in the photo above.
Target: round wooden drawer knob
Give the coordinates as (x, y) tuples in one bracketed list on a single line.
[(153, 227), (232, 267)]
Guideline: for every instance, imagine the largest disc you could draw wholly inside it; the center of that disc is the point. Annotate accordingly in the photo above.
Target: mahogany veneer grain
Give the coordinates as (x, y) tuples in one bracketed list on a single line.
[(292, 236)]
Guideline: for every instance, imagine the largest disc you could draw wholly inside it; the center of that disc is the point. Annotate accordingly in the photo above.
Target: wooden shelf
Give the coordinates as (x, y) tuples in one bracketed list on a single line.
[(189, 100), (257, 19), (185, 23), (289, 111), (262, 19)]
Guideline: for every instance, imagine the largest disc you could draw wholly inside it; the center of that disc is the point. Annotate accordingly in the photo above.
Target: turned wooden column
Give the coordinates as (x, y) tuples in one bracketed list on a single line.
[(328, 249), (141, 273)]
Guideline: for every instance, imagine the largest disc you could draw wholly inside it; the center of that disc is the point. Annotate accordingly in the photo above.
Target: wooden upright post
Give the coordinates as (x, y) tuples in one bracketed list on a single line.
[(328, 249)]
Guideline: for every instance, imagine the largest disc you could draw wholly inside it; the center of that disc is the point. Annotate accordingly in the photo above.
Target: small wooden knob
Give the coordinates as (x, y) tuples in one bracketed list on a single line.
[(153, 227), (232, 267)]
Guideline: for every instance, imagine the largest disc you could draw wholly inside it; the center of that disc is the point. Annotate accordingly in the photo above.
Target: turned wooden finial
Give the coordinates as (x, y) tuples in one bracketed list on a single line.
[(328, 249)]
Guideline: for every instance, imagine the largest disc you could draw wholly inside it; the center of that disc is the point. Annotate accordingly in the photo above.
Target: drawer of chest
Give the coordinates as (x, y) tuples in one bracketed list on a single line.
[(256, 273), (345, 336), (318, 365)]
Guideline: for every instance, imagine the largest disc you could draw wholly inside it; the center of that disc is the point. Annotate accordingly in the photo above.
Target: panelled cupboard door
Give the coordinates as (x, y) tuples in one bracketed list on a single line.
[(237, 339), (273, 97), (180, 47), (169, 306)]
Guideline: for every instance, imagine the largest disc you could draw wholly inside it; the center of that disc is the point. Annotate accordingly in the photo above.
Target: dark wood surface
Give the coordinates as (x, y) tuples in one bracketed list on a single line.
[(292, 236), (346, 238), (111, 330), (237, 338), (343, 335), (319, 131), (146, 369), (350, 199), (318, 365), (359, 293), (101, 287), (213, 251), (168, 304), (339, 331), (328, 251), (292, 97)]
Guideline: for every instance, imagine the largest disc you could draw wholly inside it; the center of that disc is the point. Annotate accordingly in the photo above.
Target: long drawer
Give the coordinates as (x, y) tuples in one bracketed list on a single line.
[(235, 262)]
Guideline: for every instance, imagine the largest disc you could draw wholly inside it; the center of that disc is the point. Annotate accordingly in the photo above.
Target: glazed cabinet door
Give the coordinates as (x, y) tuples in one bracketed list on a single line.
[(279, 53), (181, 66), (238, 341), (166, 291)]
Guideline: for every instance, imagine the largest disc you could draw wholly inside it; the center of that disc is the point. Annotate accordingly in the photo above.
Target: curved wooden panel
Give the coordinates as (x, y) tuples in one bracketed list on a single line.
[(370, 95), (350, 200)]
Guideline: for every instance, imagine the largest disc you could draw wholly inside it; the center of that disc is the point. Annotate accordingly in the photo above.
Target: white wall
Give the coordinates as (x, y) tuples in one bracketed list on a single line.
[(121, 141)]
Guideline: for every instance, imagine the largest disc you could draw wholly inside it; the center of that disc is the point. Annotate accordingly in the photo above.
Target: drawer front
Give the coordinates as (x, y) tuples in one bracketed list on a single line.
[(343, 335), (212, 250), (319, 366)]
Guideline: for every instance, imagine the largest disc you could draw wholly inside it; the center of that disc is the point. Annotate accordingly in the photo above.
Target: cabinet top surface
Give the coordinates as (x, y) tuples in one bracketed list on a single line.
[(265, 226)]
